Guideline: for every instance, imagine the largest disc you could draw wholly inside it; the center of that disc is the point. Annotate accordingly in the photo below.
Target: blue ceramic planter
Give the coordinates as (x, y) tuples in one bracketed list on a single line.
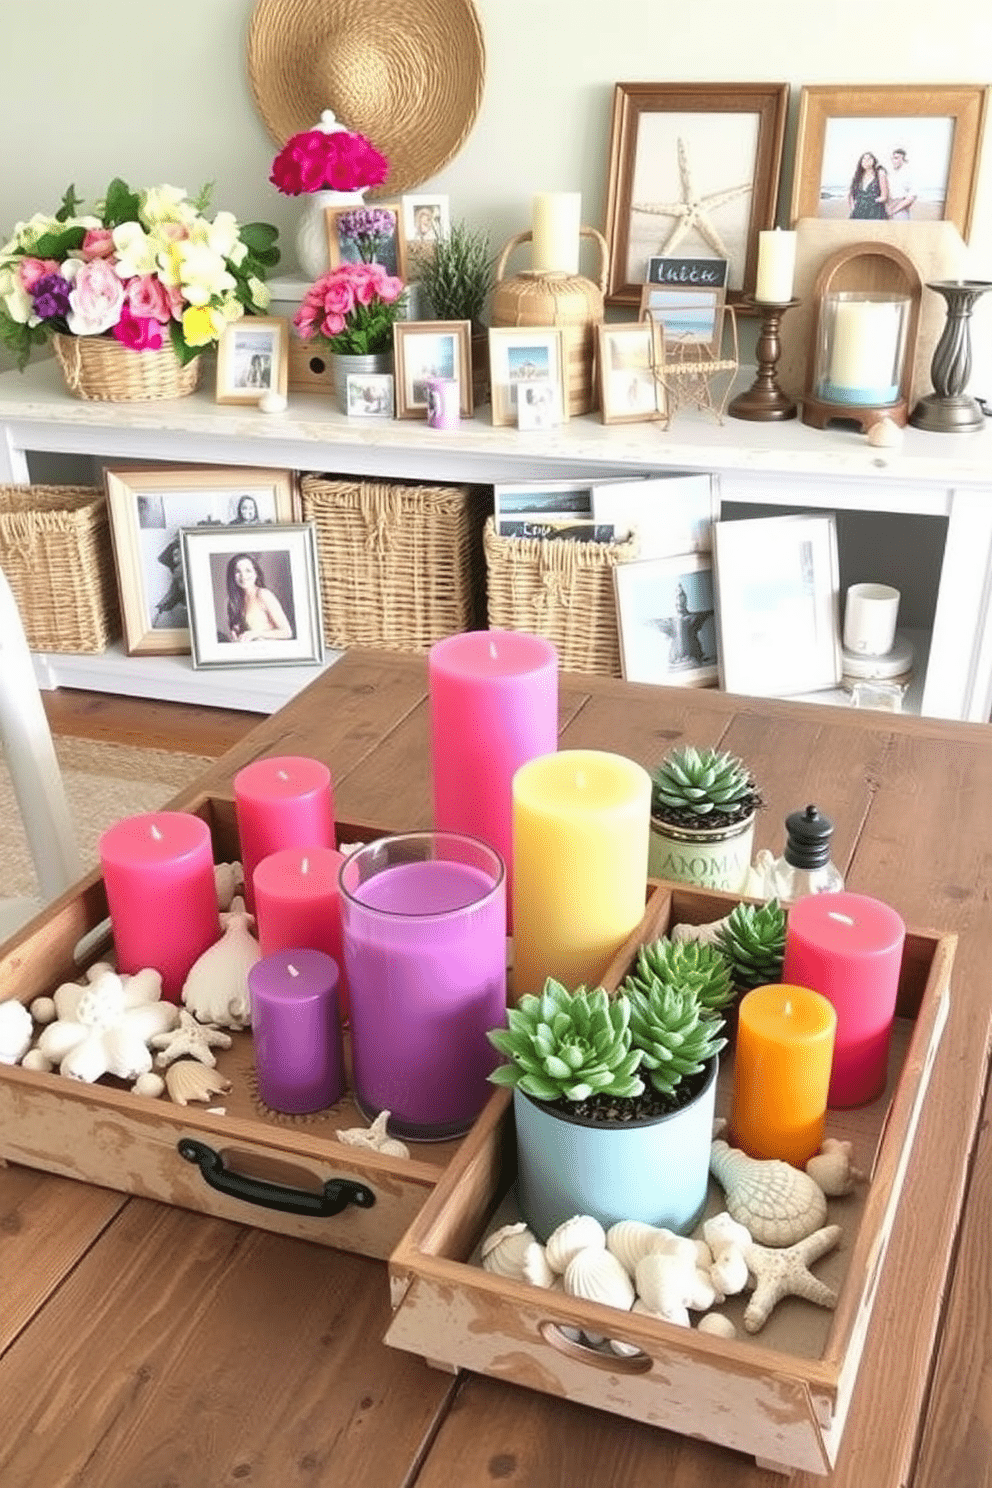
[(656, 1170)]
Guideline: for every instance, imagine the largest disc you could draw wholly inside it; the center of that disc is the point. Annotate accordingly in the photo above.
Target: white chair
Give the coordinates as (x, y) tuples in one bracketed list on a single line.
[(34, 770)]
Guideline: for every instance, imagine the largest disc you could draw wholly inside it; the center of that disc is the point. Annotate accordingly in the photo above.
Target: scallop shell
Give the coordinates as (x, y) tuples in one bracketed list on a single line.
[(581, 1232), (16, 1031), (504, 1251), (189, 1080), (597, 1275), (778, 1203), (630, 1239), (536, 1269)]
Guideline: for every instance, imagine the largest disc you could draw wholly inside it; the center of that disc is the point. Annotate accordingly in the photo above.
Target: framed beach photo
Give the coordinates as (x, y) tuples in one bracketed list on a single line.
[(254, 598), (518, 356), (687, 317), (148, 507), (367, 233), (252, 359), (666, 619), (694, 169), (540, 500), (777, 589), (926, 139), (370, 395), (629, 368), (425, 349)]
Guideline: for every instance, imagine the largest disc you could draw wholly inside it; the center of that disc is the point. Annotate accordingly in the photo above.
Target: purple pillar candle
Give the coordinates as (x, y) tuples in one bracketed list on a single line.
[(296, 1030), (443, 402), (423, 928)]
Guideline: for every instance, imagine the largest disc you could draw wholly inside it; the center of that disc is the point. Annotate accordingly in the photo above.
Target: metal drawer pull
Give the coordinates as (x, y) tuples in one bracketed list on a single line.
[(336, 1194)]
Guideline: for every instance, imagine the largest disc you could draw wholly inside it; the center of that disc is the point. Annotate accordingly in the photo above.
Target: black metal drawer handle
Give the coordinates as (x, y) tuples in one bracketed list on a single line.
[(336, 1194)]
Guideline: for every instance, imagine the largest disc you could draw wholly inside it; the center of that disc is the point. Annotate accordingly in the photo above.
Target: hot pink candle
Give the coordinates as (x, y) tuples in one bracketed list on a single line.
[(296, 1031), (159, 874), (298, 903), (285, 801), (849, 948), (493, 706)]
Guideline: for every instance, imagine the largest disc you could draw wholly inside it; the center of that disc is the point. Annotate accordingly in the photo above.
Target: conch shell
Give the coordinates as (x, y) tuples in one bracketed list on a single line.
[(776, 1202)]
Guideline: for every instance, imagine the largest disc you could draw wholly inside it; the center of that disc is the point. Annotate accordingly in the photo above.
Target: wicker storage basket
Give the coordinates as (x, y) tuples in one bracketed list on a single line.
[(559, 588), (400, 565), (101, 369), (56, 552)]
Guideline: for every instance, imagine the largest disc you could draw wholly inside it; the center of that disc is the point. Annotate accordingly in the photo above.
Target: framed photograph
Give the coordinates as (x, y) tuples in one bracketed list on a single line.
[(669, 514), (431, 348), (538, 404), (148, 507), (253, 359), (370, 233), (687, 317), (777, 593), (694, 169), (426, 221), (925, 143), (666, 620), (629, 368), (370, 395), (690, 273), (254, 599), (519, 356)]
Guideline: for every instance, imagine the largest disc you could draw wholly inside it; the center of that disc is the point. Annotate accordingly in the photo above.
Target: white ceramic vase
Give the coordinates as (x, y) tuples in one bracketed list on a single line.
[(311, 230)]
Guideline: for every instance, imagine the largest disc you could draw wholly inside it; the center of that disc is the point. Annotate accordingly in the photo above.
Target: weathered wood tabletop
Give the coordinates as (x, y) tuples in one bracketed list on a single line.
[(143, 1346)]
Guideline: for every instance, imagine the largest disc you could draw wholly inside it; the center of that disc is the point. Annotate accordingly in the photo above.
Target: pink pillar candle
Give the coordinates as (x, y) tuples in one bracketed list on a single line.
[(493, 706), (849, 948), (284, 801), (296, 1031), (298, 903), (158, 870)]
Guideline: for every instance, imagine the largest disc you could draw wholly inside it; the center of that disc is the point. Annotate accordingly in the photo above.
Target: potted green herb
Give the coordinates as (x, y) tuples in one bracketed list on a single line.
[(456, 274), (703, 805)]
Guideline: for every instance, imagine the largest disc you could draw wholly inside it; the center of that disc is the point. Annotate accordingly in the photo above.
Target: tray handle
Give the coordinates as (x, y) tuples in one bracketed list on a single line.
[(636, 1361), (335, 1196)]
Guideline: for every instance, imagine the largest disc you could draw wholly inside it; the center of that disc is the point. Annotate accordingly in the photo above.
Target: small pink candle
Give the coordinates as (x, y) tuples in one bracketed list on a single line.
[(493, 706), (159, 875), (284, 801), (298, 903), (849, 948)]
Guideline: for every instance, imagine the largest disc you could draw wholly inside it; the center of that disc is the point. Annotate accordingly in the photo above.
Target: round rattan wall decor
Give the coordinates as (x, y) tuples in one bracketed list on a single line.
[(407, 76)]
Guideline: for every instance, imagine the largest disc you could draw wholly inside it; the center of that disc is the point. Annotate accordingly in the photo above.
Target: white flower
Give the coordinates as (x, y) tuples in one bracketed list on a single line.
[(136, 251), (261, 294), (166, 204), (222, 234), (17, 303), (202, 273)]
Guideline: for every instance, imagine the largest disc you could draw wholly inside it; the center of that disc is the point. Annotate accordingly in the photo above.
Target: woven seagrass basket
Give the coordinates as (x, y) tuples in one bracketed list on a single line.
[(56, 552), (400, 564), (561, 589), (101, 369)]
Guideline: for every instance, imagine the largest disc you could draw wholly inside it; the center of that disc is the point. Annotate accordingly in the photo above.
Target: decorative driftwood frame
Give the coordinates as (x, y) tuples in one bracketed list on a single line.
[(964, 106), (633, 106), (449, 342), (253, 359), (629, 370)]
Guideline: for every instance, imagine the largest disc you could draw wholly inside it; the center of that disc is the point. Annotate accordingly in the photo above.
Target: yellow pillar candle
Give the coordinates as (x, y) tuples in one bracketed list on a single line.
[(581, 824), (555, 230), (782, 1059)]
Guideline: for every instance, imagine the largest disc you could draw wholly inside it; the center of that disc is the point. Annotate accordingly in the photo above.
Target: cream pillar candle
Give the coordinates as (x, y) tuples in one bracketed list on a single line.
[(555, 221), (865, 341), (776, 267)]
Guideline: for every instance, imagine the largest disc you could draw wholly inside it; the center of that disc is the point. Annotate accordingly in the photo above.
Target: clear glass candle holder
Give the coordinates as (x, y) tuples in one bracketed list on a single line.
[(861, 347)]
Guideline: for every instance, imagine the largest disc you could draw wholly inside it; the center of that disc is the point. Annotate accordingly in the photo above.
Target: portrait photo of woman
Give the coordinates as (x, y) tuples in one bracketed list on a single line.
[(254, 611), (868, 196)]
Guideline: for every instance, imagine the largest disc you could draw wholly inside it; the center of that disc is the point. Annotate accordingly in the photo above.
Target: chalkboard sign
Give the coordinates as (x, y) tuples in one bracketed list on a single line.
[(689, 273)]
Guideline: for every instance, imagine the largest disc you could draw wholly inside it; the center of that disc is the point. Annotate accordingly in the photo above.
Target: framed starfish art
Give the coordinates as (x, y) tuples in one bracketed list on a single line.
[(694, 172)]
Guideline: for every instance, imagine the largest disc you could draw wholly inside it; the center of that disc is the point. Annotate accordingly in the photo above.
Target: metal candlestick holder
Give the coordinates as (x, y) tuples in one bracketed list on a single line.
[(949, 409), (764, 399)]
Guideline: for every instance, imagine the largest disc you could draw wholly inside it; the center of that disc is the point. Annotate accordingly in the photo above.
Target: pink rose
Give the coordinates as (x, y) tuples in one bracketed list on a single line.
[(33, 269), (147, 298), (390, 288), (139, 332), (332, 324), (339, 299), (98, 243), (305, 320), (96, 299)]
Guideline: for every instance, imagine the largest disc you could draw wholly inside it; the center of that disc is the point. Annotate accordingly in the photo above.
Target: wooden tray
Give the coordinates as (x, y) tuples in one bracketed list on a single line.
[(104, 1134), (781, 1395)]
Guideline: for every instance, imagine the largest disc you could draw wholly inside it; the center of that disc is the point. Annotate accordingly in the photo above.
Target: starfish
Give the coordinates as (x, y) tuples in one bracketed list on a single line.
[(785, 1273), (692, 211), (191, 1039)]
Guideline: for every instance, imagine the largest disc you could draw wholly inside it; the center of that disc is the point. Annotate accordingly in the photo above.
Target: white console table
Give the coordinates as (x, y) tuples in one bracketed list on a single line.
[(771, 465)]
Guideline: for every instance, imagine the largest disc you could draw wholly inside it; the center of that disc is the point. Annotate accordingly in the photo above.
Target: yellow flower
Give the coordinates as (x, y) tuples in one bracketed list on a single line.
[(202, 324)]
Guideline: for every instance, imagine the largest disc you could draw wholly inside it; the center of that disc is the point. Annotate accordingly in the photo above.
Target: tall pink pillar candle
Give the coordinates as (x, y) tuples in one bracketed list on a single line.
[(298, 903), (493, 706), (282, 801), (296, 1031), (159, 875), (848, 947)]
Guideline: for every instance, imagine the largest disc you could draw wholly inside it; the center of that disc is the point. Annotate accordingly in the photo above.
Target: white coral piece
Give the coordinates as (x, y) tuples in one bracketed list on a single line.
[(375, 1137), (580, 1232), (669, 1285), (16, 1031), (104, 1025), (216, 988), (833, 1170), (728, 1240), (229, 880)]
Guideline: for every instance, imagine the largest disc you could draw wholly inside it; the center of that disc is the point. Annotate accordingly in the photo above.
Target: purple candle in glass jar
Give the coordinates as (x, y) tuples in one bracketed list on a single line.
[(296, 1030)]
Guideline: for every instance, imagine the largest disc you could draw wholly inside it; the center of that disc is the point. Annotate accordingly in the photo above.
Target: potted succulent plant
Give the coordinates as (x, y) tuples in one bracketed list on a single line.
[(703, 805), (593, 1135)]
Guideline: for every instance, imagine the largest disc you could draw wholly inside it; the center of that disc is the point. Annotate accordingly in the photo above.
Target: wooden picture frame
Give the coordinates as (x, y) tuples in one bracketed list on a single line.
[(940, 130), (282, 624), (389, 248), (423, 349), (629, 371), (253, 359), (685, 317), (666, 620), (518, 354), (709, 153), (426, 221), (148, 507)]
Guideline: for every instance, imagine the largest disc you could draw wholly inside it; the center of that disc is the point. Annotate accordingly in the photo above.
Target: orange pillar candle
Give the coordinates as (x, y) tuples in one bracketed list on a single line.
[(785, 1046)]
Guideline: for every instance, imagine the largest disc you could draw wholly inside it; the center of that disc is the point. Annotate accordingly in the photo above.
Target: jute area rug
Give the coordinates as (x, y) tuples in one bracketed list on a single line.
[(103, 783)]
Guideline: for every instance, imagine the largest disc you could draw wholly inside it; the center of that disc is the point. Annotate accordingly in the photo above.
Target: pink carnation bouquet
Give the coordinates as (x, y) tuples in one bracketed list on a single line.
[(352, 309), (327, 160)]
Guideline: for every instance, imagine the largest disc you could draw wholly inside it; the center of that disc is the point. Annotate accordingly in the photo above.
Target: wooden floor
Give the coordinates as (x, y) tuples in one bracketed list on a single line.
[(145, 723)]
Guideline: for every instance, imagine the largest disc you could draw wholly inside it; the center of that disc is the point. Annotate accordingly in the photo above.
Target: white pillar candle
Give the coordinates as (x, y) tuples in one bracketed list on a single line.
[(555, 221), (865, 340), (870, 614), (776, 267)]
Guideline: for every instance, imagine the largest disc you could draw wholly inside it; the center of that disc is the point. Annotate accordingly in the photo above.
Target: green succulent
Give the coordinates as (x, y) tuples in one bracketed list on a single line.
[(753, 940), (676, 1034), (699, 786), (568, 1045), (688, 963)]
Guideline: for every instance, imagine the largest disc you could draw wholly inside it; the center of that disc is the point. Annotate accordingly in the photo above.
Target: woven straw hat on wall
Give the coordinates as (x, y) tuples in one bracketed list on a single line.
[(407, 74)]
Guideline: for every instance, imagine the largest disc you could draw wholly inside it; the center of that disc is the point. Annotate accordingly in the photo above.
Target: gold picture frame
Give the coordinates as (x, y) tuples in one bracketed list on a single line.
[(631, 356), (342, 249), (253, 359), (521, 354), (423, 349)]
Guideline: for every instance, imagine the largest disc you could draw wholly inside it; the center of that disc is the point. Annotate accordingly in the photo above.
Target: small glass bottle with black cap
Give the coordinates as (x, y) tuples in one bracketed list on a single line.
[(805, 867)]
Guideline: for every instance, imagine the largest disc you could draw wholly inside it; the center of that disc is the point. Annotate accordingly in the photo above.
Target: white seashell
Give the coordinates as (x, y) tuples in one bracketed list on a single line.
[(623, 1350), (885, 433), (35, 1060), (832, 1169), (717, 1324), (581, 1232), (503, 1251), (43, 1010), (706, 934), (216, 989), (596, 1275), (189, 1080), (149, 1085), (778, 1203), (536, 1269), (629, 1239), (676, 1314), (229, 880), (16, 1031)]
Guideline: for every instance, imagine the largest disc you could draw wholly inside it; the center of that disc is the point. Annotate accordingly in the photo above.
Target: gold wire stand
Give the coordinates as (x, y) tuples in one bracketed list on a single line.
[(692, 377)]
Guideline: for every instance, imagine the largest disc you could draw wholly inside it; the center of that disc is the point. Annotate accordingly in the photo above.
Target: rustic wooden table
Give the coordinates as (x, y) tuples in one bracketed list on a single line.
[(143, 1346)]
